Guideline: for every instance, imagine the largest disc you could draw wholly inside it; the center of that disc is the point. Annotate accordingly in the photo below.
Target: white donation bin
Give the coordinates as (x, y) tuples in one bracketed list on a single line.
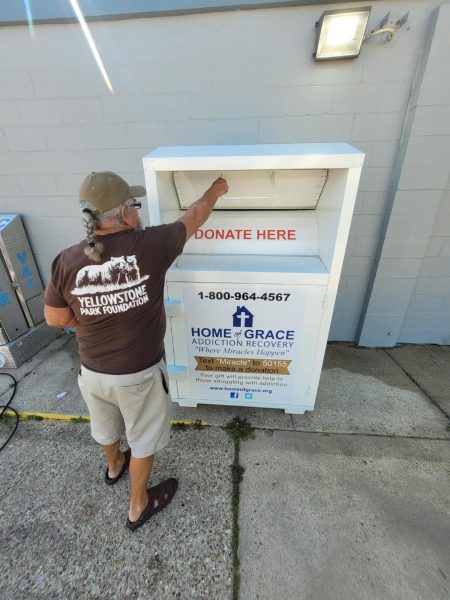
[(249, 302)]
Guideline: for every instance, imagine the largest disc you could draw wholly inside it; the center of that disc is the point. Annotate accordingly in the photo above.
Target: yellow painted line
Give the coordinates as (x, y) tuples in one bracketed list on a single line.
[(189, 422), (49, 416), (58, 417)]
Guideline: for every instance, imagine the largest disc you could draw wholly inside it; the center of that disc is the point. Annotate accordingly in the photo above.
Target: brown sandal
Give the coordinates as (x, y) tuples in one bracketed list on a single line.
[(112, 480), (159, 496)]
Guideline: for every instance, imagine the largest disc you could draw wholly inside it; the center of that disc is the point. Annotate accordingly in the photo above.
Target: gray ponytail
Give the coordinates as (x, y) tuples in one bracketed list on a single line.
[(94, 249)]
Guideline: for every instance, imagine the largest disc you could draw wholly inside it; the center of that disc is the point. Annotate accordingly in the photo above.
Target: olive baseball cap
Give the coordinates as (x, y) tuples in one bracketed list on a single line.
[(105, 190)]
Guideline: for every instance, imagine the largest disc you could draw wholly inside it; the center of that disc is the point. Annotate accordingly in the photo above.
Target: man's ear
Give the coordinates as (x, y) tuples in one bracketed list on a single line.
[(125, 214)]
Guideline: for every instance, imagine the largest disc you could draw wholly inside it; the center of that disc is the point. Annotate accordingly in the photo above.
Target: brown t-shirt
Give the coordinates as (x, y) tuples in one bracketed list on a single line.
[(118, 302)]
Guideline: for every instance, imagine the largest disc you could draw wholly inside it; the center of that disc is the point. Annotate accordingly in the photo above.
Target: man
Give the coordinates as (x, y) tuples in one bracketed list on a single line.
[(110, 288)]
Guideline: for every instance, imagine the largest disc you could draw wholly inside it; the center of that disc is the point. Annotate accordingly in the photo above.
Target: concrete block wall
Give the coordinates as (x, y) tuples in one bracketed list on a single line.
[(428, 313), (218, 78), (416, 234)]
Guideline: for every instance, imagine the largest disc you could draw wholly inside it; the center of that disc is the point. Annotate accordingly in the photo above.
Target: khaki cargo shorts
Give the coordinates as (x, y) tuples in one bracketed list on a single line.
[(138, 403)]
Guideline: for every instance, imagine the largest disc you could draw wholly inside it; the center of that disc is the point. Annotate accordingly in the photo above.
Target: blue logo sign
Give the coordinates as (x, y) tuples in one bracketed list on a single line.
[(234, 395), (248, 395), (26, 271), (4, 299), (6, 220), (242, 317)]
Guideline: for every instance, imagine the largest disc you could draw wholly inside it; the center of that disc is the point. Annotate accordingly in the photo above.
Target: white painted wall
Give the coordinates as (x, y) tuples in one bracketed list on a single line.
[(219, 78)]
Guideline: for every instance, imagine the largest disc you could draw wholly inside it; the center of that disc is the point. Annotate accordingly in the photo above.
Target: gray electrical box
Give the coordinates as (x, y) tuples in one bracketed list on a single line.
[(20, 282), (12, 319), (22, 330)]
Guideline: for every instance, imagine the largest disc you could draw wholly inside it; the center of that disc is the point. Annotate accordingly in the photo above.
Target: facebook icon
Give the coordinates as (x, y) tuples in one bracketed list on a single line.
[(234, 395)]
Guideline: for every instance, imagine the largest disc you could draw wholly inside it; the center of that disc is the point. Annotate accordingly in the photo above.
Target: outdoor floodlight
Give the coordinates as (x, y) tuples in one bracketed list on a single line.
[(340, 33)]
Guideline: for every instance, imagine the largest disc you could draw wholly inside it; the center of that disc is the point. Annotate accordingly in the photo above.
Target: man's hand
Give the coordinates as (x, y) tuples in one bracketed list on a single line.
[(218, 188), (198, 212)]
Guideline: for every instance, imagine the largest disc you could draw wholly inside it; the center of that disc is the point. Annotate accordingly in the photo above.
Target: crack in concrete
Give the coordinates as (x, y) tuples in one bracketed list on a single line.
[(424, 392), (445, 438)]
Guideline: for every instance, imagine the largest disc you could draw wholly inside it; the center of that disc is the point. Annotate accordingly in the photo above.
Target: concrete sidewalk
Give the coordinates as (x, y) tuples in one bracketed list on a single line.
[(350, 501)]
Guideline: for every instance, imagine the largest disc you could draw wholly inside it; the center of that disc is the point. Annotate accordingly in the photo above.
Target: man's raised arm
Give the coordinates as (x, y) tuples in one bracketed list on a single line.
[(199, 211)]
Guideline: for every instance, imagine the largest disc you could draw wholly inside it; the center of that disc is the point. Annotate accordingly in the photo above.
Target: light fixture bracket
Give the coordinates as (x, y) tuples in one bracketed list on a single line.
[(388, 27), (398, 22)]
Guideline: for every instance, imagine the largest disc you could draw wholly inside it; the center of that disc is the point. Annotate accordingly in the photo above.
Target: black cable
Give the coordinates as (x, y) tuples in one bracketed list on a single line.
[(7, 405)]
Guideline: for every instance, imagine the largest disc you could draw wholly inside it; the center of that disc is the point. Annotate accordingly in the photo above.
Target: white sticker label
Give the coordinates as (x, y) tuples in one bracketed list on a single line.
[(243, 343)]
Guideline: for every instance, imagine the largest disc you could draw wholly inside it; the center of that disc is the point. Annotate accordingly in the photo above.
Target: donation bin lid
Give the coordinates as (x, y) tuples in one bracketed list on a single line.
[(263, 189)]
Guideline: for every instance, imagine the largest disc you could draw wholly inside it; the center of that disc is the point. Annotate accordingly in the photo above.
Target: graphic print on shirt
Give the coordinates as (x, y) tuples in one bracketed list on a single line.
[(95, 285)]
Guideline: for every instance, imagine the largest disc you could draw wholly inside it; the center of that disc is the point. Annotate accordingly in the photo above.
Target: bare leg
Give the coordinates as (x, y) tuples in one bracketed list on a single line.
[(140, 471), (115, 458)]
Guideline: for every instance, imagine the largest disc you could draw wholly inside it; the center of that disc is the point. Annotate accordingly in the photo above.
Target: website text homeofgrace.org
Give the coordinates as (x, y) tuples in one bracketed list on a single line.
[(240, 389)]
